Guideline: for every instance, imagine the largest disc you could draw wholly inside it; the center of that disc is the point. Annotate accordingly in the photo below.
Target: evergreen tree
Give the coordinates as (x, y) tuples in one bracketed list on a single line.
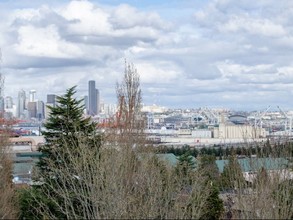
[(209, 167), (214, 207), (65, 126), (67, 132), (185, 166), (220, 153), (232, 176)]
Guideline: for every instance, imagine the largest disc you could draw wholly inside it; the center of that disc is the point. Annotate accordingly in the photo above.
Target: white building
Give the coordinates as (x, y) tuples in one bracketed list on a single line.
[(153, 109), (227, 131)]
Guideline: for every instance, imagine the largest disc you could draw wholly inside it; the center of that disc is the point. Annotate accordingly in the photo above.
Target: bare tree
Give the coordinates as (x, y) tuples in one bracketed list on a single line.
[(129, 118), (268, 194), (8, 200), (8, 204), (117, 184)]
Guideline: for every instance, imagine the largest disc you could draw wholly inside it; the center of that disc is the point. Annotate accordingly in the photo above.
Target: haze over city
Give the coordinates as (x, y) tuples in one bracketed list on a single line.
[(189, 53)]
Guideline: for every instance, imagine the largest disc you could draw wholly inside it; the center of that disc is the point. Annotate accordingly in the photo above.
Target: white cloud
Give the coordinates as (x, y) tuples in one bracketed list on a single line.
[(158, 72), (125, 16), (44, 42), (86, 19), (227, 51), (253, 26)]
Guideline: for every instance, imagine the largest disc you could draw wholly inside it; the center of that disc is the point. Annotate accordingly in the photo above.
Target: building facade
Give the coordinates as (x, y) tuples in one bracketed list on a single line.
[(51, 99), (40, 110), (32, 109), (93, 98), (21, 107), (32, 95)]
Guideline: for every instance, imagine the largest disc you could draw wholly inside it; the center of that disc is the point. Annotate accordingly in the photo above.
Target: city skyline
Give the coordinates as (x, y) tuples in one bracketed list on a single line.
[(216, 53)]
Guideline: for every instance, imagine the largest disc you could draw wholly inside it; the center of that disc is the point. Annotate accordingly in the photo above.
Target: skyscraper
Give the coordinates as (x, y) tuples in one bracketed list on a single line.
[(51, 99), (8, 102), (2, 104), (40, 110), (10, 108), (98, 101), (32, 95), (21, 108), (32, 109), (92, 98)]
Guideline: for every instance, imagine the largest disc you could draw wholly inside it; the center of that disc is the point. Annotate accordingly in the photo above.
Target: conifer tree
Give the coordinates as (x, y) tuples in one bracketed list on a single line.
[(214, 205), (66, 125), (232, 176), (67, 132), (185, 166)]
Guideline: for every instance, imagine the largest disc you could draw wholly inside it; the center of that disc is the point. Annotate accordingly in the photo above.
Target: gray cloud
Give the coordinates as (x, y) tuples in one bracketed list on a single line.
[(24, 62), (219, 53)]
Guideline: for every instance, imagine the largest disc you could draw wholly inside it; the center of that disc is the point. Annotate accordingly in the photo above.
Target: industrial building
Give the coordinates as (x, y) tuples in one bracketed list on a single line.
[(232, 131)]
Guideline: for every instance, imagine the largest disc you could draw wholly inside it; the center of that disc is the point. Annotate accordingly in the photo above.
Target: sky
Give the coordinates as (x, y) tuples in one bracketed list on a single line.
[(235, 54)]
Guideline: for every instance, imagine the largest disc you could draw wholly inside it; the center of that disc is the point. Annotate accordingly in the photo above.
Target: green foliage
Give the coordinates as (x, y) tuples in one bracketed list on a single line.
[(284, 197), (214, 207), (185, 167), (66, 125), (29, 204), (232, 176), (265, 150), (186, 160), (66, 128), (209, 167)]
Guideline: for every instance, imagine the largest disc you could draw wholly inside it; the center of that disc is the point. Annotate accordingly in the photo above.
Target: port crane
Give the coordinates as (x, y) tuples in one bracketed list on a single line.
[(258, 120), (288, 121)]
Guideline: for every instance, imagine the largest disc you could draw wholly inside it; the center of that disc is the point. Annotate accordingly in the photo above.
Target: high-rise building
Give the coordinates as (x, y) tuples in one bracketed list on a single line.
[(32, 109), (10, 108), (32, 95), (21, 107), (2, 105), (51, 99), (8, 102), (40, 110), (85, 103), (98, 101), (92, 100)]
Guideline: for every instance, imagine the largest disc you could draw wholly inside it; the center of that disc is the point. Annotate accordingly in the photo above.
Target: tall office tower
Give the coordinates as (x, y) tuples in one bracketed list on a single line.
[(92, 104), (2, 105), (32, 109), (8, 102), (51, 99), (32, 95), (40, 110), (86, 102), (98, 101), (21, 107), (102, 107), (10, 108)]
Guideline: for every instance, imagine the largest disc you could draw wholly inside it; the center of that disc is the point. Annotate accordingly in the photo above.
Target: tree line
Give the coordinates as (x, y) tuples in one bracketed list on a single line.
[(220, 152)]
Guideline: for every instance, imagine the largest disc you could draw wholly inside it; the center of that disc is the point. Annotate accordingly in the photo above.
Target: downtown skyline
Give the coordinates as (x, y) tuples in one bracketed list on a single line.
[(216, 53)]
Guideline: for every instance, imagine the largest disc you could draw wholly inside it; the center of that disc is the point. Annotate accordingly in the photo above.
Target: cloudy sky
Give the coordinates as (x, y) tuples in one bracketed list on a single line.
[(235, 54)]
